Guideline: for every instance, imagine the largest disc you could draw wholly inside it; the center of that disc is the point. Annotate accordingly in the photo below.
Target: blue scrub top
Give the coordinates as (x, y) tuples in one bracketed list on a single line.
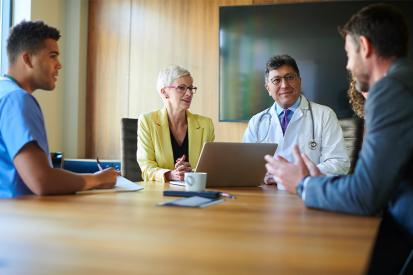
[(21, 122)]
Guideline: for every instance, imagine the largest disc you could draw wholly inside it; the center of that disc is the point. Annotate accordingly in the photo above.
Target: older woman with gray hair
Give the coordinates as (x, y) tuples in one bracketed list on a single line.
[(170, 139)]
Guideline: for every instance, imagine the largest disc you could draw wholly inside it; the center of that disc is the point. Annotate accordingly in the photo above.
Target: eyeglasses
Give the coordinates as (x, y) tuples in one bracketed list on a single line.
[(183, 88), (290, 78)]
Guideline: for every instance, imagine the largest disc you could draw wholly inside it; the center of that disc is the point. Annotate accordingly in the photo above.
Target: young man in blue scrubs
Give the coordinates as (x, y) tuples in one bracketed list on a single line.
[(25, 162)]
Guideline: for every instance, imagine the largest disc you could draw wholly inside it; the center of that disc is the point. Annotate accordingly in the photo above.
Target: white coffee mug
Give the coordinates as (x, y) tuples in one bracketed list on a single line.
[(195, 181)]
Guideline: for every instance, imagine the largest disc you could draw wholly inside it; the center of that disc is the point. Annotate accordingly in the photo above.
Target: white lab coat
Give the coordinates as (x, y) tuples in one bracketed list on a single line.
[(330, 154)]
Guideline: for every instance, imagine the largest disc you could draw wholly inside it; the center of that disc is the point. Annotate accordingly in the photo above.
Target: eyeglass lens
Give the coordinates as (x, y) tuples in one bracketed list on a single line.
[(289, 78), (183, 89)]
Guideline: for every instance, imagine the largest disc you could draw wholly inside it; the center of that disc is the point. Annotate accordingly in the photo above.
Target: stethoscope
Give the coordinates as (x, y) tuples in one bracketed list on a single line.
[(312, 144)]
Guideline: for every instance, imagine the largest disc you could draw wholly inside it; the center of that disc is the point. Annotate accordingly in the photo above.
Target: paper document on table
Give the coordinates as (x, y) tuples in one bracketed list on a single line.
[(177, 182), (122, 185)]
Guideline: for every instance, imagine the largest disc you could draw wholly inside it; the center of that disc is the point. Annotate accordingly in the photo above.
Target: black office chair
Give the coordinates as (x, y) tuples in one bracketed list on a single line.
[(408, 265), (129, 165), (392, 252)]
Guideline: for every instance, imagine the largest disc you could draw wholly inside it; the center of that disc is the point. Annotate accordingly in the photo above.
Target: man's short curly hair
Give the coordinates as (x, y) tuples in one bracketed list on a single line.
[(29, 36)]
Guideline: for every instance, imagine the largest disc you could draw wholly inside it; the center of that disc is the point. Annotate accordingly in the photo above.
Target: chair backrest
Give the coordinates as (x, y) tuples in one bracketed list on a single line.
[(353, 137), (408, 265), (129, 165)]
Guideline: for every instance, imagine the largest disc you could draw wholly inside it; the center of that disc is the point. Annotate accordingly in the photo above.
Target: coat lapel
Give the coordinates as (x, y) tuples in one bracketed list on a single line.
[(298, 114), (164, 136), (195, 132)]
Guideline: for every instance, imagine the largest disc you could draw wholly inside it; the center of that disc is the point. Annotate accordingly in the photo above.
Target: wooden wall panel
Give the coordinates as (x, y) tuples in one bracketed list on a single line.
[(183, 32), (108, 75), (162, 32)]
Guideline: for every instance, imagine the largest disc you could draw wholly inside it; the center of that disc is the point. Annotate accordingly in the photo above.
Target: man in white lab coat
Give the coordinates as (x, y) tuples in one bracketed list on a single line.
[(293, 119)]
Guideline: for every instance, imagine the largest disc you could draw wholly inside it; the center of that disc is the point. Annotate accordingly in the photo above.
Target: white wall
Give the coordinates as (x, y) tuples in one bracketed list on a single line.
[(74, 96), (51, 12), (63, 108)]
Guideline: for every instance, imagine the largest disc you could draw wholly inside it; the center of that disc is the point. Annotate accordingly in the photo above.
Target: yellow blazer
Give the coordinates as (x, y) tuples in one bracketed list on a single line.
[(154, 154)]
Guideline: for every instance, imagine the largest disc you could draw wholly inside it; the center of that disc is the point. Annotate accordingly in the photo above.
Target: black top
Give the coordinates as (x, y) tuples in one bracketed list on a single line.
[(179, 150)]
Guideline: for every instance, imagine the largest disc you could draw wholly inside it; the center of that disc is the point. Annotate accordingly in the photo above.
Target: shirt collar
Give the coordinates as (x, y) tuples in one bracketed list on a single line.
[(294, 107)]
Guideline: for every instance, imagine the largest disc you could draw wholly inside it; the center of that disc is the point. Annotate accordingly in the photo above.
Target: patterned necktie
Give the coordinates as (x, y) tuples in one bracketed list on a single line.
[(284, 121)]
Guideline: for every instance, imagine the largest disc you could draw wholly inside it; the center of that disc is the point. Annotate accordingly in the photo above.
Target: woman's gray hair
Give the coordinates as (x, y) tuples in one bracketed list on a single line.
[(169, 74)]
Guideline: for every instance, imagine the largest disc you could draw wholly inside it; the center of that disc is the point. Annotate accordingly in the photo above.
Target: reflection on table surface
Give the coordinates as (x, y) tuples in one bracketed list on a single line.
[(262, 231)]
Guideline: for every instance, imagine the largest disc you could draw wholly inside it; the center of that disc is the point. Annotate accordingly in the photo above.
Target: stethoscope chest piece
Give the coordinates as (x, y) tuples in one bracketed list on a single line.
[(312, 144)]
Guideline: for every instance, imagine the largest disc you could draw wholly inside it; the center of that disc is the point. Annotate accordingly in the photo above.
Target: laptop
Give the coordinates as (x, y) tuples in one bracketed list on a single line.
[(231, 164)]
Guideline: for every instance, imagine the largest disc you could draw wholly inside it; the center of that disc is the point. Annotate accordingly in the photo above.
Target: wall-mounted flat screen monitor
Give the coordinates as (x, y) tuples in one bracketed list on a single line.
[(250, 35)]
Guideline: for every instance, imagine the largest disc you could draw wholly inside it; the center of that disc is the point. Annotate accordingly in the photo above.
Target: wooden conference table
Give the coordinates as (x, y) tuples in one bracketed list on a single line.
[(263, 231)]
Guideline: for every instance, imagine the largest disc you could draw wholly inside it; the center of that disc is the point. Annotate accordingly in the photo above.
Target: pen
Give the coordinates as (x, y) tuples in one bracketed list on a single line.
[(227, 195), (99, 164)]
